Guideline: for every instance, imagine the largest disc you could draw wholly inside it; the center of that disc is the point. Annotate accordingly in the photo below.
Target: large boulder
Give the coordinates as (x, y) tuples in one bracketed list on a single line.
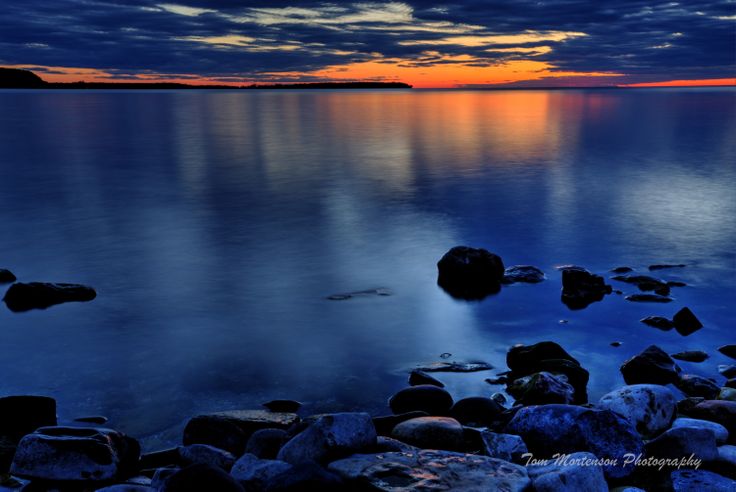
[(254, 473), (649, 407), (470, 273), (581, 288), (431, 433), (329, 438), (430, 470), (541, 388), (701, 481), (693, 385), (477, 411), (682, 442), (22, 415), (75, 454), (573, 473), (41, 295), (265, 443), (652, 366), (422, 398)]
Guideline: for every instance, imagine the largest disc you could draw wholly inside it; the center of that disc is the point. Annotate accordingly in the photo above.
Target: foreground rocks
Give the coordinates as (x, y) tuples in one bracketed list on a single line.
[(39, 295), (470, 273)]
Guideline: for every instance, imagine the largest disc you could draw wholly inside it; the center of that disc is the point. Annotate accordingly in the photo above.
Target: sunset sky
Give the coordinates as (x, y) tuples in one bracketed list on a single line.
[(426, 43)]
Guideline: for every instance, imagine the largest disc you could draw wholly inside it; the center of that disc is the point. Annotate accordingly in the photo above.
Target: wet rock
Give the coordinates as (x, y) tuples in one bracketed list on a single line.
[(731, 383), (39, 295), (199, 477), (470, 273), (616, 344), (75, 453), (205, 454), (389, 445), (649, 407), (576, 472), (622, 269), (126, 487), (726, 462), (700, 481), (231, 430), (507, 447), (580, 288), (727, 371), (21, 415), (6, 276), (93, 419), (266, 443), (727, 394), (541, 388), (728, 350), (160, 476), (523, 274), (691, 356), (525, 359), (659, 322), (160, 459), (306, 477), (676, 283), (652, 366), (645, 283), (648, 298), (685, 322), (720, 432), (361, 293), (283, 406), (256, 474), (666, 265), (431, 433), (685, 405), (424, 398), (720, 411), (497, 380), (681, 442), (330, 437), (418, 378), (385, 424), (476, 411), (474, 366), (693, 385), (431, 470)]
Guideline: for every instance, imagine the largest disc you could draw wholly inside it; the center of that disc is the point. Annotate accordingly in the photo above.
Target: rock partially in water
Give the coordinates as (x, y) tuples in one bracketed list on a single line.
[(681, 442), (256, 474), (541, 388), (22, 414), (580, 288), (525, 359), (39, 295), (431, 470), (266, 443), (645, 283), (686, 323), (720, 432), (92, 419), (728, 350), (75, 454), (731, 383), (470, 273), (691, 356), (385, 424), (727, 371), (424, 398), (205, 454), (418, 378), (649, 407), (380, 292), (701, 481), (431, 433), (720, 411), (659, 322), (728, 394), (652, 366), (577, 472), (648, 298), (200, 477), (6, 276), (622, 269), (507, 447), (283, 406), (477, 411), (662, 266), (693, 385), (474, 366), (523, 274)]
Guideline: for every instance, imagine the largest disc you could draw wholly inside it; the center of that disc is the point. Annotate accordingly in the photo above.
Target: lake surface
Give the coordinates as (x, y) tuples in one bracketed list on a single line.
[(214, 225)]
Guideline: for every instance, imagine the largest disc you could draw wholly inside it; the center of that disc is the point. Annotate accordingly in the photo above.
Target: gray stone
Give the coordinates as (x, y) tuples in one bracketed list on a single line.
[(572, 473), (541, 388), (721, 411), (206, 454), (431, 433), (720, 432), (507, 447), (254, 473), (649, 407), (701, 481)]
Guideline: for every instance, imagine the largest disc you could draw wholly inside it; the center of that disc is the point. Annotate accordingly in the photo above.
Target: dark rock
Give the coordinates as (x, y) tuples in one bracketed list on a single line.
[(652, 366), (390, 445), (701, 481), (523, 274), (507, 447), (38, 295), (648, 298), (525, 359), (616, 344), (622, 269), (207, 455), (691, 356), (381, 292), (231, 430), (266, 443), (497, 380), (476, 411), (727, 371), (158, 481), (385, 424), (581, 288), (574, 473), (425, 398), (731, 383), (720, 411), (418, 378), (93, 419), (126, 487), (160, 459), (726, 462), (728, 350), (693, 385), (576, 376), (306, 477), (431, 470), (685, 405), (475, 366), (645, 283), (431, 433), (649, 407), (75, 453), (728, 394), (22, 415), (541, 388), (330, 437), (283, 406), (200, 477), (256, 474), (685, 322), (6, 276), (682, 442), (470, 273), (659, 322), (720, 432), (676, 283), (665, 265)]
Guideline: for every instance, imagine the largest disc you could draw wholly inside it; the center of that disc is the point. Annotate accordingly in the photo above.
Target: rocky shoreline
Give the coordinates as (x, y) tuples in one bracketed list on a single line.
[(641, 436)]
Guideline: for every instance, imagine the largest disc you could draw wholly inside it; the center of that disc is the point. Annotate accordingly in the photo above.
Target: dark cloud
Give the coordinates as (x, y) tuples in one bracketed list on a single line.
[(645, 41)]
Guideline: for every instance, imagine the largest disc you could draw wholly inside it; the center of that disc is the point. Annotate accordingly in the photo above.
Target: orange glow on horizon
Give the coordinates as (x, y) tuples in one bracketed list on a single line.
[(685, 83)]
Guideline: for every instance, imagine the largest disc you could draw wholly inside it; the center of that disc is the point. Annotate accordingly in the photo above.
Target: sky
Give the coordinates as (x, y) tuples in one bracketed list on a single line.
[(452, 43)]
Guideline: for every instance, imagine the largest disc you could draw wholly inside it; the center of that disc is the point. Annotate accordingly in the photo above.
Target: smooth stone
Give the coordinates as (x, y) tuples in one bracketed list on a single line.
[(681, 442), (727, 371), (40, 295), (75, 453), (541, 388), (283, 406), (666, 265), (691, 356), (720, 411), (386, 423), (507, 447), (6, 276), (22, 415), (728, 350), (523, 274), (424, 398), (622, 269), (206, 455), (476, 411), (431, 433), (94, 419), (418, 378), (580, 288), (726, 462), (686, 323), (390, 445), (231, 430), (306, 477), (330, 437), (648, 298), (266, 443), (676, 283), (727, 394), (652, 366), (200, 477), (431, 470), (474, 366), (649, 407), (254, 473), (693, 385), (616, 344), (720, 432), (576, 472), (659, 322), (525, 359), (700, 481), (470, 273)]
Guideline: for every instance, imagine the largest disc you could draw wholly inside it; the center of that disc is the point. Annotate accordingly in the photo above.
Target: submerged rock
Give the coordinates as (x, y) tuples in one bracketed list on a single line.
[(727, 371), (92, 419), (693, 385), (573, 473), (418, 378), (475, 366), (686, 323), (645, 283), (659, 322), (431, 433), (666, 265), (580, 288), (470, 273), (652, 366), (381, 292), (37, 295), (423, 398), (6, 276), (691, 356), (728, 350), (523, 274), (648, 298), (649, 407)]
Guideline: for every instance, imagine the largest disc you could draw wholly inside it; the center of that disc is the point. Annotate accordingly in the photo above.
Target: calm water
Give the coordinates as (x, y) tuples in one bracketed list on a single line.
[(214, 224)]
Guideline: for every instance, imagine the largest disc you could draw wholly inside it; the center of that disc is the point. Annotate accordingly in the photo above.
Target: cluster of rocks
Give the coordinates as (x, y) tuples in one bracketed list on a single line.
[(41, 295)]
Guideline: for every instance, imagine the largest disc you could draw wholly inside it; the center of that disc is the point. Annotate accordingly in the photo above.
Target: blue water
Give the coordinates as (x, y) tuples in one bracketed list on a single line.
[(214, 224)]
